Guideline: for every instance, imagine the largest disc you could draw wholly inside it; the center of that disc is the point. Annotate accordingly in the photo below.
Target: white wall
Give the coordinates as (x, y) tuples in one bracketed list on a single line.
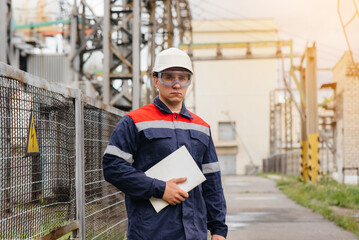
[(236, 90)]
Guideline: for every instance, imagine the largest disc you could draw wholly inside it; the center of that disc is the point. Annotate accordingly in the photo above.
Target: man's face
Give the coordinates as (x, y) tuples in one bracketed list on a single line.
[(171, 94)]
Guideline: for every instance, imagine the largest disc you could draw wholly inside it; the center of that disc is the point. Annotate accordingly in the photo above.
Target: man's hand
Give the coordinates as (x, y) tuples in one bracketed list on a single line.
[(217, 237), (173, 194)]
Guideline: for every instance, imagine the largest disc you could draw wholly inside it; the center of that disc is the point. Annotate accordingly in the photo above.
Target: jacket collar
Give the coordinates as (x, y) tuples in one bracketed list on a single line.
[(162, 107)]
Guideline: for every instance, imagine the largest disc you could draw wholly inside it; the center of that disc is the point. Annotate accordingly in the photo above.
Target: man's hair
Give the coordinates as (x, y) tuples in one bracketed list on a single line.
[(155, 74)]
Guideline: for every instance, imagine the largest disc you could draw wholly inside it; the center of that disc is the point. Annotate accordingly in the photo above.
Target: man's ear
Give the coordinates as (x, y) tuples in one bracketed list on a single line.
[(155, 80)]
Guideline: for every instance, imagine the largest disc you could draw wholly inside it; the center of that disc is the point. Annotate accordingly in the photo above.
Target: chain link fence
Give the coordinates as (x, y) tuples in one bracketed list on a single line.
[(104, 204), (51, 144)]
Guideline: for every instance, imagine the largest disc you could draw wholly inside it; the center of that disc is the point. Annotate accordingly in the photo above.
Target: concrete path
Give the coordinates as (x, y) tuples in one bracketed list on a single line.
[(257, 210)]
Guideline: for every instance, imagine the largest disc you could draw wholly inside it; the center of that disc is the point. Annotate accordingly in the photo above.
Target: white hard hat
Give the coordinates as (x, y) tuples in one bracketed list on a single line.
[(172, 57)]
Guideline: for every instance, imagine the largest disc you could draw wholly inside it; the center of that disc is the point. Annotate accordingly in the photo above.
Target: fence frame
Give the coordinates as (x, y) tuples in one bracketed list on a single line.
[(80, 165), (80, 101)]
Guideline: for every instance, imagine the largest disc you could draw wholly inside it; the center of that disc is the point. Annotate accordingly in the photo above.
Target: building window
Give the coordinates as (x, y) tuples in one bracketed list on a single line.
[(227, 131)]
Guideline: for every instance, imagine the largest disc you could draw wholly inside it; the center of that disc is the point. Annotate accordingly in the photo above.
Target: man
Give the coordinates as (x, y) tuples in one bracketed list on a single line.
[(147, 135)]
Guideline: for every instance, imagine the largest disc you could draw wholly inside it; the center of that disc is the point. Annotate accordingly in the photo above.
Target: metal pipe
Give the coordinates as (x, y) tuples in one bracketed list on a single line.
[(290, 92), (106, 53), (74, 65), (241, 57), (136, 42), (80, 166), (3, 30)]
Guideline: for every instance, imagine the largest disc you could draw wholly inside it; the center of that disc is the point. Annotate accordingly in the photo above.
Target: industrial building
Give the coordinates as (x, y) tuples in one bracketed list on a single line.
[(69, 70), (234, 95)]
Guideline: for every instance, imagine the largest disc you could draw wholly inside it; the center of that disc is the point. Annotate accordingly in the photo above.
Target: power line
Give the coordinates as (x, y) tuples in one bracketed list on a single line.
[(345, 25), (248, 28), (236, 14), (281, 29)]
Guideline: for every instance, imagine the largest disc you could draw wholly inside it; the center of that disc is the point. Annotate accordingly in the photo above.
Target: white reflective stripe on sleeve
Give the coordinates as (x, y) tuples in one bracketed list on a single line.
[(210, 167), (119, 153)]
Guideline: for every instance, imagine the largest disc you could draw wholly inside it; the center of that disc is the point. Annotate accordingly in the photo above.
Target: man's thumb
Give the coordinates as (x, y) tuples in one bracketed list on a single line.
[(180, 180)]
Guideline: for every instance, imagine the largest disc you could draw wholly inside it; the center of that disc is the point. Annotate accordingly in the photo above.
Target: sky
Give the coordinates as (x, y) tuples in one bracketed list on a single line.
[(303, 21)]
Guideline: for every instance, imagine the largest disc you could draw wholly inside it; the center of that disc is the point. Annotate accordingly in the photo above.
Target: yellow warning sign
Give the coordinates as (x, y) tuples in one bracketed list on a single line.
[(32, 146)]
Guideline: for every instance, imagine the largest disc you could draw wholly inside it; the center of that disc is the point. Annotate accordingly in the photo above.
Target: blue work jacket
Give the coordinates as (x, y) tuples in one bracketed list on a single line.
[(140, 140)]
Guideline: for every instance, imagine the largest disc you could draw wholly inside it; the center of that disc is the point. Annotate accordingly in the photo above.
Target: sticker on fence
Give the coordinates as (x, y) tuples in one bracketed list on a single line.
[(32, 146)]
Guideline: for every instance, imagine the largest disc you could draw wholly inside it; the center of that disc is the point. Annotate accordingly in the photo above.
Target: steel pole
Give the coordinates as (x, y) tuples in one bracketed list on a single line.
[(106, 53), (3, 31), (80, 166), (74, 60), (304, 139), (136, 41), (311, 90), (312, 113)]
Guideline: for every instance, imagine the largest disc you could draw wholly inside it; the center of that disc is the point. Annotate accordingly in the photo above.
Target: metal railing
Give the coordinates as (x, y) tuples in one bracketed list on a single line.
[(289, 162), (58, 184), (284, 163)]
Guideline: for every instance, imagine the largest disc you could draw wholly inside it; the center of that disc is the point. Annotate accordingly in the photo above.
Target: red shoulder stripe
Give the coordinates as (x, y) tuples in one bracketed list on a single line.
[(150, 112), (199, 120)]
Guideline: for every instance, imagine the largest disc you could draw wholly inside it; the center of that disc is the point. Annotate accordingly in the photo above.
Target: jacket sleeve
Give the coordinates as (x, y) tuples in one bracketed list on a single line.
[(118, 159), (213, 192)]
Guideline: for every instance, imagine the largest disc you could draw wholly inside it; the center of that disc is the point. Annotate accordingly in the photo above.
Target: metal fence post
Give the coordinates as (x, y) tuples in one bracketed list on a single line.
[(70, 162), (80, 165), (136, 54)]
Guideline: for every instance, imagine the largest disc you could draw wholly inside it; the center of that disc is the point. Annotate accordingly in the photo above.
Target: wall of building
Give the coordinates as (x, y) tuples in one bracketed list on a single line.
[(347, 116), (236, 90)]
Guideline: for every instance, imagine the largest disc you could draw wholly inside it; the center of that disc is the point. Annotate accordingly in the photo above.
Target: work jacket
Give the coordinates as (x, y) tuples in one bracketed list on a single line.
[(140, 140)]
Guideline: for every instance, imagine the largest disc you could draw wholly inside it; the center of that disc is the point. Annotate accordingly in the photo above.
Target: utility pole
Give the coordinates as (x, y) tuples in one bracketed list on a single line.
[(5, 31), (168, 18), (151, 93), (119, 36), (74, 59), (160, 24), (136, 52), (106, 53), (312, 113)]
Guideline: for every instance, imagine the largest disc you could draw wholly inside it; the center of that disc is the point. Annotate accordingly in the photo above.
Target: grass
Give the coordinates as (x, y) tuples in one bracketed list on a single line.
[(321, 196), (33, 219), (65, 237)]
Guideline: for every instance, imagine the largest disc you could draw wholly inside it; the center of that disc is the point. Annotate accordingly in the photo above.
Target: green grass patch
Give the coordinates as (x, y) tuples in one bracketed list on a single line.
[(66, 237), (321, 196)]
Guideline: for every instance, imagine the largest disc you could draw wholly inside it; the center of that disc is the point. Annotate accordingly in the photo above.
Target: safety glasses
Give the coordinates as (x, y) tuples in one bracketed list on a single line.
[(170, 78)]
